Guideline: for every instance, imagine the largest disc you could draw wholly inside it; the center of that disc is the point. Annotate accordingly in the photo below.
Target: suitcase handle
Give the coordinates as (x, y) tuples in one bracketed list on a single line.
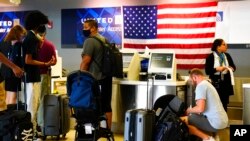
[(152, 101), (25, 94)]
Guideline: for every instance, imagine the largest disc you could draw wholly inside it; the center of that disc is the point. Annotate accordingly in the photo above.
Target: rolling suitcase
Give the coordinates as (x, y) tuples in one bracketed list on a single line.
[(16, 120), (56, 115), (139, 123)]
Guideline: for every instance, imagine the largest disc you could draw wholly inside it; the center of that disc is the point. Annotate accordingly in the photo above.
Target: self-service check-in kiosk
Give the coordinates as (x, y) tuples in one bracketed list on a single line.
[(162, 64)]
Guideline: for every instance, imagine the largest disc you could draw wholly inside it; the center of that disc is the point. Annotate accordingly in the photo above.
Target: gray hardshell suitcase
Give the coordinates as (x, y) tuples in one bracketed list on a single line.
[(139, 123), (56, 115)]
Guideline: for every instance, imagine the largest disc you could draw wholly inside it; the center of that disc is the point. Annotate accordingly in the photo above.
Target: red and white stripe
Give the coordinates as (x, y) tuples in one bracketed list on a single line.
[(188, 28)]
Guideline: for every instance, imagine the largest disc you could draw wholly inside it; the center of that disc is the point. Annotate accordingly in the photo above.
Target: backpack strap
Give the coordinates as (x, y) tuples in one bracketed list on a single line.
[(102, 44)]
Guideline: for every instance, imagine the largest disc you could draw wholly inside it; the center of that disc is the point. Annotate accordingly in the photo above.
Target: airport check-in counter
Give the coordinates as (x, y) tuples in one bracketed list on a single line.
[(133, 95)]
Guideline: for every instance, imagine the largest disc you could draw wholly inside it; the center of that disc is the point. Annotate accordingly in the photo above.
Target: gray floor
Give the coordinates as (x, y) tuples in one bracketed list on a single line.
[(234, 114)]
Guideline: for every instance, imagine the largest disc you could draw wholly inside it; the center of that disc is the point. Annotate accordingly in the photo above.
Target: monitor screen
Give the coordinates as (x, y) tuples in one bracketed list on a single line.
[(126, 58), (161, 61)]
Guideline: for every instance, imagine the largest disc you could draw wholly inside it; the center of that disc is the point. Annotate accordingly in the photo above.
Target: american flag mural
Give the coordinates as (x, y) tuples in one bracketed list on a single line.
[(188, 29)]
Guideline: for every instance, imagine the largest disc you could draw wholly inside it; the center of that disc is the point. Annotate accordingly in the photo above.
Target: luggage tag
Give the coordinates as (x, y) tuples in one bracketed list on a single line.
[(88, 128), (158, 111)]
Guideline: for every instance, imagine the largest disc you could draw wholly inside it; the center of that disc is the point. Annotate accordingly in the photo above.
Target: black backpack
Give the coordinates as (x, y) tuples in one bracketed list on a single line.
[(112, 60), (169, 126), (15, 125)]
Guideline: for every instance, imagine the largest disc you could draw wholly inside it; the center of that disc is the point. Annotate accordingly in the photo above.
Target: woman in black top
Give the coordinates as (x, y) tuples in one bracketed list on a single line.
[(217, 66)]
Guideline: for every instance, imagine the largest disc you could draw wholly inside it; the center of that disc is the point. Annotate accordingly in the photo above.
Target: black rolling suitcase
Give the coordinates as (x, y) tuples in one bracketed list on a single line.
[(56, 115), (139, 123), (15, 122)]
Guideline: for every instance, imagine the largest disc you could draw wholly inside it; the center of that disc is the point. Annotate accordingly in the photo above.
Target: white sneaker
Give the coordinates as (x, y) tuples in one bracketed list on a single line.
[(210, 139), (39, 139)]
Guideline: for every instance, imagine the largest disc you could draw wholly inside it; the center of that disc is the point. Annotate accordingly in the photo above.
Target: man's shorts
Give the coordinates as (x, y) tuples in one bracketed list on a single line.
[(200, 121), (13, 84), (106, 94)]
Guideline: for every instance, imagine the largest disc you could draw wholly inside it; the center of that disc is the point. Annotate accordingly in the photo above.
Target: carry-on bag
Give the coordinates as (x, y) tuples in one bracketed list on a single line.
[(15, 126), (139, 123), (84, 94), (56, 115), (24, 127), (169, 126), (15, 122), (56, 112)]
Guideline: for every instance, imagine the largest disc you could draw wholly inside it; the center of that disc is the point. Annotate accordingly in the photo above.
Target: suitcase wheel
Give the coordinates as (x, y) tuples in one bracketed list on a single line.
[(44, 137)]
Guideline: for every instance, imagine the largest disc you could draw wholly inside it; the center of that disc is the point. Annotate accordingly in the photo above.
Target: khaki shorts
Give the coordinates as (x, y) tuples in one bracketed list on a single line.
[(2, 97)]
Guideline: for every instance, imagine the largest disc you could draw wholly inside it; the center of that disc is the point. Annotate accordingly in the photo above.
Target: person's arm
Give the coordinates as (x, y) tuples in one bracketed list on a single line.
[(16, 70), (199, 108), (29, 60), (230, 62), (54, 57), (86, 59), (209, 65)]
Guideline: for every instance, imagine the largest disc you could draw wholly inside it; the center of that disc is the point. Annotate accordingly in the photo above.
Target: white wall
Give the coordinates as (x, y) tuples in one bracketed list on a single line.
[(71, 57)]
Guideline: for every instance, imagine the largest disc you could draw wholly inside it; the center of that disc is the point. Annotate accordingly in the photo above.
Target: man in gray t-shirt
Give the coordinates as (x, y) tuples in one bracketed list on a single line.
[(92, 60), (92, 49), (208, 115)]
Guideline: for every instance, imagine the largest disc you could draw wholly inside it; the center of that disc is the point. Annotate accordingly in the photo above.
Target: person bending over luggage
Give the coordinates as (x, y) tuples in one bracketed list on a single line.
[(92, 50), (208, 115), (11, 48)]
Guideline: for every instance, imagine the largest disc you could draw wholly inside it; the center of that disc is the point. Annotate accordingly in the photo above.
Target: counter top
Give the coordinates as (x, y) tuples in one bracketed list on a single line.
[(156, 82)]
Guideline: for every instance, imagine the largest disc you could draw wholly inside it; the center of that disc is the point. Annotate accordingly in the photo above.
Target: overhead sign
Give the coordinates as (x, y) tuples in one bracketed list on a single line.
[(109, 25)]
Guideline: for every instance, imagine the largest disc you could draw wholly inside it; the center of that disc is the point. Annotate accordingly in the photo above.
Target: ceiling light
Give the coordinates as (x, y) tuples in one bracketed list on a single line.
[(16, 2)]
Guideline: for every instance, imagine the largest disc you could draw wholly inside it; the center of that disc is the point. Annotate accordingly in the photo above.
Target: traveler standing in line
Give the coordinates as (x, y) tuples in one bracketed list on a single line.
[(11, 47), (18, 73), (218, 66), (15, 69), (208, 115), (31, 44), (92, 50), (46, 52)]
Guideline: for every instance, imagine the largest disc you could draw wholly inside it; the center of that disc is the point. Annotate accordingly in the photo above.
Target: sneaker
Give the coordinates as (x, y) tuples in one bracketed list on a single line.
[(39, 132), (37, 137), (210, 139)]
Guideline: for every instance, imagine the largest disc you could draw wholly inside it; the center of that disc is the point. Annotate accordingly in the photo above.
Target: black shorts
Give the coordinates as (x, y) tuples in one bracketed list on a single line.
[(13, 84), (106, 94)]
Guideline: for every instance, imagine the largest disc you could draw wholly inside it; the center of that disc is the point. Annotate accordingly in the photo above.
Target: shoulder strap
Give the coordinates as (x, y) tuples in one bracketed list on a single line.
[(100, 41)]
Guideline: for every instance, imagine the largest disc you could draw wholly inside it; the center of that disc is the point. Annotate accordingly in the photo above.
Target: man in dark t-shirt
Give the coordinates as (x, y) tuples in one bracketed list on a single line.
[(31, 44)]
